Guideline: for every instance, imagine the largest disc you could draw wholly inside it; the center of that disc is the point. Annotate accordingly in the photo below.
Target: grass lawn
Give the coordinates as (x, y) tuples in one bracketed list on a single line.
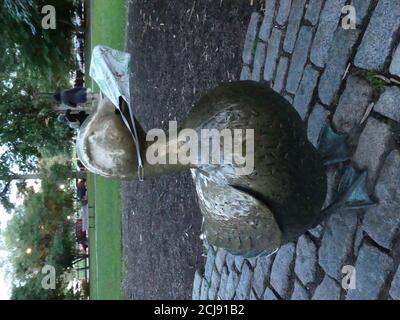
[(107, 27)]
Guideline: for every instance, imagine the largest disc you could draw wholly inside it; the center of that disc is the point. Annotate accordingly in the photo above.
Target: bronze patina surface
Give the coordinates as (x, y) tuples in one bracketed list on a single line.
[(246, 214)]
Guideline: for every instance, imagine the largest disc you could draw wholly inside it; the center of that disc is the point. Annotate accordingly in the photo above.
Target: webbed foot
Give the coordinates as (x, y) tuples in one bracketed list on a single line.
[(352, 192), (352, 189), (332, 146)]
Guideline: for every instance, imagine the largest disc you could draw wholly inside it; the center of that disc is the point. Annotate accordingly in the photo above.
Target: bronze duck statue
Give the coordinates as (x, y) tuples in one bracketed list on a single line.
[(248, 215)]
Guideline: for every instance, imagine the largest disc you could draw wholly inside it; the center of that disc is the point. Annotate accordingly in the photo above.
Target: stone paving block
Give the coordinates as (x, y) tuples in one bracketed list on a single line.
[(220, 259), (338, 57), (239, 262), (279, 81), (251, 34), (378, 38), (372, 268), (244, 286), (204, 290), (196, 286), (352, 104), (327, 290), (395, 64), (395, 287), (313, 11), (208, 268), (305, 91), (316, 122), (214, 286), (306, 260), (261, 274), (299, 292), (333, 175), (388, 104), (269, 295), (299, 58), (231, 284), (245, 74), (272, 54), (281, 269), (222, 287), (288, 98), (337, 242), (373, 144), (296, 14), (253, 296), (283, 11), (358, 240), (382, 223), (317, 231), (259, 59), (361, 7), (267, 22), (328, 22), (252, 262), (230, 260)]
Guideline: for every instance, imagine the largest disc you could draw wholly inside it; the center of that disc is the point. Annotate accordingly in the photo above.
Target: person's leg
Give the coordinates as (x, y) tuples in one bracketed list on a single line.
[(89, 102), (82, 115), (92, 96)]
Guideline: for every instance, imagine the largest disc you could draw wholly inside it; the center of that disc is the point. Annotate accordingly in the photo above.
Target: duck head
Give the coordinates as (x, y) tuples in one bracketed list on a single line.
[(104, 144)]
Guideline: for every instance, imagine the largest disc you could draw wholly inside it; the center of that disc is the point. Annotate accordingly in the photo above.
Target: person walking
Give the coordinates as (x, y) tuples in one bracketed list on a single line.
[(74, 97)]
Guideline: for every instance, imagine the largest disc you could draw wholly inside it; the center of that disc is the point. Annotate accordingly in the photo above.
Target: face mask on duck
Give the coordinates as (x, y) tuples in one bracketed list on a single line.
[(110, 69), (104, 144)]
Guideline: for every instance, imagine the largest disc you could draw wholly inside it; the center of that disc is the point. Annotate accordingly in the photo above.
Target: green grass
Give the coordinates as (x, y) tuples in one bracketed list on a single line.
[(374, 82), (107, 27)]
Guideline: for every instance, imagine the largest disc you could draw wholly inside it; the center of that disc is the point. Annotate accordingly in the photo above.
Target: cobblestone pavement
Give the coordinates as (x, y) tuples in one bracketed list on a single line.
[(301, 50)]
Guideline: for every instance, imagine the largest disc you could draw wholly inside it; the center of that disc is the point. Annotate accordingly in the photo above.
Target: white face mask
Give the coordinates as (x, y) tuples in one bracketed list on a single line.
[(110, 69)]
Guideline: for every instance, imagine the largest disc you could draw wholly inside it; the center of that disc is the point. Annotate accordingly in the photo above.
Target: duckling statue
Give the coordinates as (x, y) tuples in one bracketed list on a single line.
[(248, 215)]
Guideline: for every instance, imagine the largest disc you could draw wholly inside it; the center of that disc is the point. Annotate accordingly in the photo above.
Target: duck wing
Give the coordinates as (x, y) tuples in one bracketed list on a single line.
[(288, 172), (234, 218)]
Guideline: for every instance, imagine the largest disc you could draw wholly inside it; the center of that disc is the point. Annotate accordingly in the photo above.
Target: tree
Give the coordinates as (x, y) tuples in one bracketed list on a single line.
[(29, 131), (39, 234), (33, 60), (28, 124), (32, 290), (45, 52), (49, 170)]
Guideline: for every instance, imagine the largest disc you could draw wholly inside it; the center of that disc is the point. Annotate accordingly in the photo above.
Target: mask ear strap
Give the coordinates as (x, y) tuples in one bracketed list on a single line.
[(133, 132)]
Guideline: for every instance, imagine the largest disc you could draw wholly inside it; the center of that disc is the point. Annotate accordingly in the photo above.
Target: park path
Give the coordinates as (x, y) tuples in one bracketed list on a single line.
[(302, 51)]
